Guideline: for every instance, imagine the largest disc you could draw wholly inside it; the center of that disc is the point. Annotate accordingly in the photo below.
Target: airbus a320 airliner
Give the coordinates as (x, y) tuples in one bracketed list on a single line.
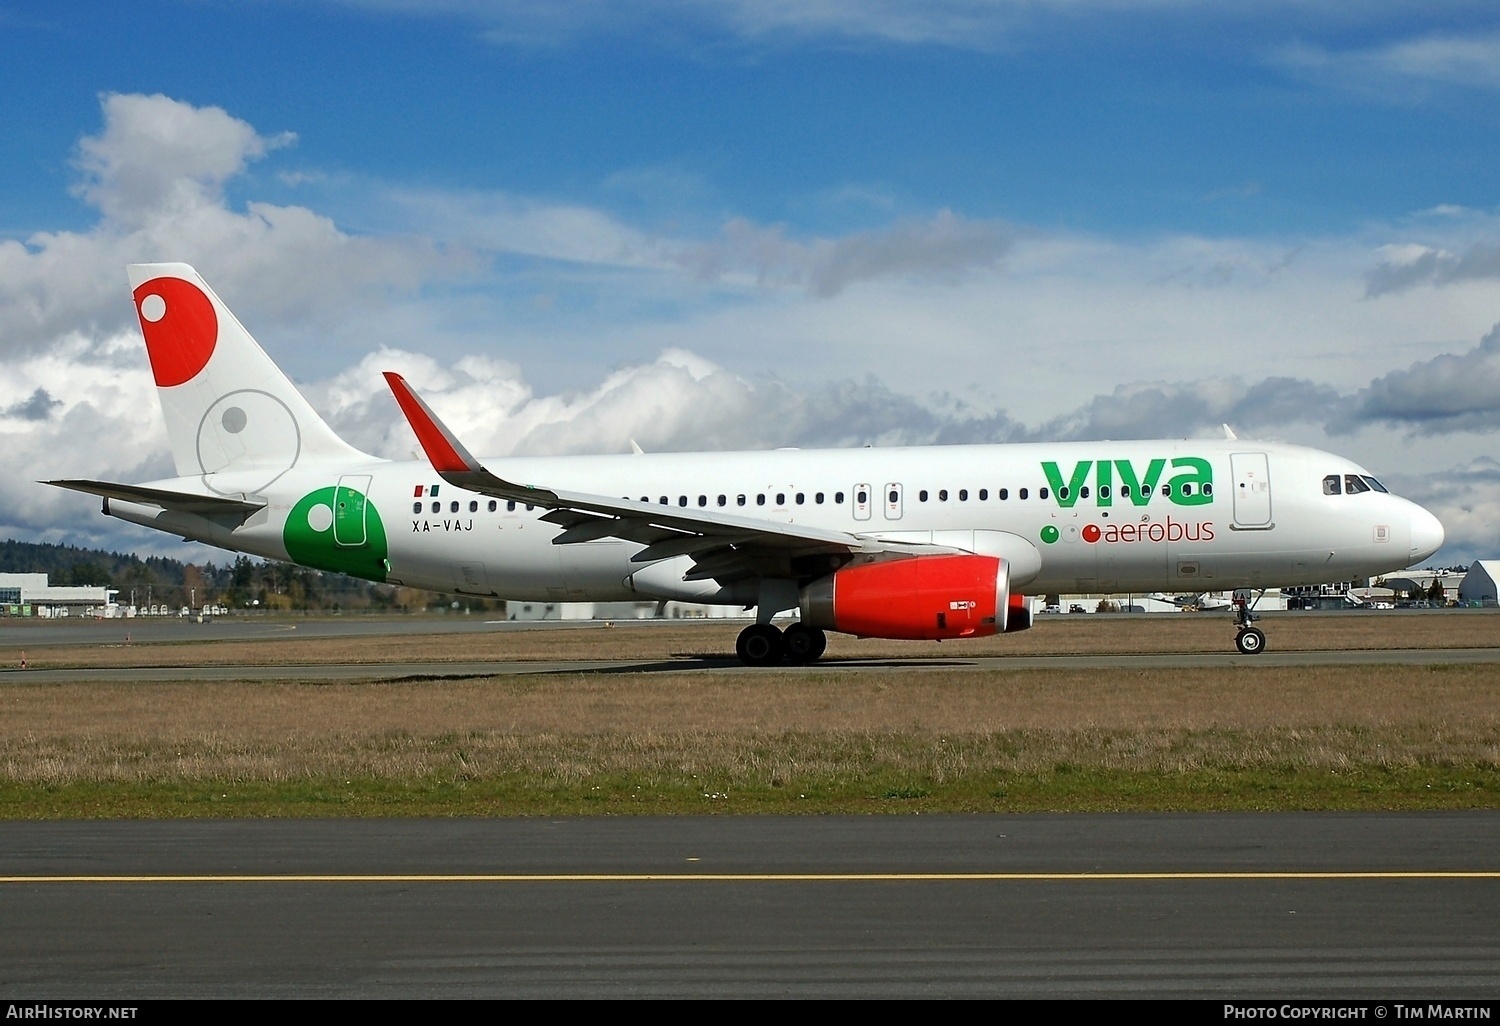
[(927, 543)]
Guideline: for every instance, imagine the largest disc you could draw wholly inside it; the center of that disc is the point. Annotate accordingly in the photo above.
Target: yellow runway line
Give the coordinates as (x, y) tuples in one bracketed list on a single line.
[(517, 878)]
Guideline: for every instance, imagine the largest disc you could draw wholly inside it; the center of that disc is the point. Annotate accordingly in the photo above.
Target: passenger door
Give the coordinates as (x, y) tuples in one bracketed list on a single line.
[(1251, 474), (349, 508)]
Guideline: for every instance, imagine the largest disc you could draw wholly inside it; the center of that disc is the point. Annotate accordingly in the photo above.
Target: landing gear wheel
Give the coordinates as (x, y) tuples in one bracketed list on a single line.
[(760, 644), (1250, 641), (804, 644)]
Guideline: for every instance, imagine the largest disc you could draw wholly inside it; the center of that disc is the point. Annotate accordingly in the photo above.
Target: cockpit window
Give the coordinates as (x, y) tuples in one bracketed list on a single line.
[(1331, 485), (1367, 479), (1354, 484)]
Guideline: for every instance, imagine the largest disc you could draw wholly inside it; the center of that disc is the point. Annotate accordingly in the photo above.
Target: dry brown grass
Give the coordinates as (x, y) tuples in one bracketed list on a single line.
[(1238, 737), (1059, 635), (568, 729)]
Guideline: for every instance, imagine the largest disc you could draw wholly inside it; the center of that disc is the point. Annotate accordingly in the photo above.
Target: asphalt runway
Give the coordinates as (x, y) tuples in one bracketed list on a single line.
[(1274, 906), (37, 633), (41, 633), (427, 671)]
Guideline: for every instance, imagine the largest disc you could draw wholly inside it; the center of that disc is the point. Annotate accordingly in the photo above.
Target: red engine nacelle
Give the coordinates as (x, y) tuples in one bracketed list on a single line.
[(923, 598)]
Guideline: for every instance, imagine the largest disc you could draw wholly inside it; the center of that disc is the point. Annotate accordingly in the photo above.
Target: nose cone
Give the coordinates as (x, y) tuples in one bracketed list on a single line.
[(1426, 534)]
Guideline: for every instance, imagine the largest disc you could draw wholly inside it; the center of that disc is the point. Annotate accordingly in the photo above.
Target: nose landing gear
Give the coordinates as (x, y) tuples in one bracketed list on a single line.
[(1249, 640)]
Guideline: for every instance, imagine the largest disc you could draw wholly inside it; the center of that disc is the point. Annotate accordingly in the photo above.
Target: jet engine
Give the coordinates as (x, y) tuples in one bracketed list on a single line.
[(918, 598)]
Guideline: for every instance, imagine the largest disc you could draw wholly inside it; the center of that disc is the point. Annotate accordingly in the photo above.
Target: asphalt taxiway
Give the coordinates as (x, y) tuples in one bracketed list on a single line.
[(422, 670), (1274, 906), (39, 635)]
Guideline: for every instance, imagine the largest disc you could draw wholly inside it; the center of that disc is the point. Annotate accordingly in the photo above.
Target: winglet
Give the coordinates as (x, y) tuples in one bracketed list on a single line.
[(446, 453), (448, 456)]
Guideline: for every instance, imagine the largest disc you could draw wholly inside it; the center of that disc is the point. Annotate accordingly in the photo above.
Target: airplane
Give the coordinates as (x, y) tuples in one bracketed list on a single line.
[(919, 543), (1198, 602)]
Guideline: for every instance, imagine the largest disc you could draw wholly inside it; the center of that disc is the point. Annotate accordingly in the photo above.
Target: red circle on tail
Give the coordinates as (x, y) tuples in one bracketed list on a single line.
[(180, 326)]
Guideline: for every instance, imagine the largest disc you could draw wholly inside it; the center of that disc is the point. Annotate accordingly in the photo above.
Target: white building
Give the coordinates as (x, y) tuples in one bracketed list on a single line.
[(618, 611), (31, 595), (1480, 583)]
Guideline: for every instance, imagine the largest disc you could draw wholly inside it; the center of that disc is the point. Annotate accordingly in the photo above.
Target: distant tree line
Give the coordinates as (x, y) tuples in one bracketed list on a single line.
[(242, 584)]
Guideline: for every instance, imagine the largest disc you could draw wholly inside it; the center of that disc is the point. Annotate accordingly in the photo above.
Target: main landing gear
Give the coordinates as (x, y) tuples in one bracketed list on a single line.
[(1249, 640), (764, 644)]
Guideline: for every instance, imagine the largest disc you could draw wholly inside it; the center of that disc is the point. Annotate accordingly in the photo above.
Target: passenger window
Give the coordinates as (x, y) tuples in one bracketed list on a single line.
[(1041, 493), (510, 505), (1187, 489), (1021, 494), (801, 498), (760, 500), (739, 500), (781, 498), (1003, 494), (664, 500), (894, 497), (922, 495), (862, 498), (1353, 485), (682, 500), (416, 507), (494, 504), (1166, 490), (1062, 493), (703, 500), (1208, 487), (818, 498), (723, 500), (1104, 491), (1083, 493), (1124, 491), (473, 505), (984, 493), (838, 498), (942, 495), (437, 507)]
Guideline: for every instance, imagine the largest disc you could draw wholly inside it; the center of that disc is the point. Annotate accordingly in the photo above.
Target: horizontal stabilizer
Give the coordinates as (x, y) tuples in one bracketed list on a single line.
[(185, 502)]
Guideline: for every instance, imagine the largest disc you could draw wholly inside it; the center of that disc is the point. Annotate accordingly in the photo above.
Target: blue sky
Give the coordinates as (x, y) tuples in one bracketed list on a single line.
[(1115, 117), (740, 224)]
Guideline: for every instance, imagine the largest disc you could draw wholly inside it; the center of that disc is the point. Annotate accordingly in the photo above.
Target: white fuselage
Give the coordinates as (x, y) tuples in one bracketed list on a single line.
[(1265, 517)]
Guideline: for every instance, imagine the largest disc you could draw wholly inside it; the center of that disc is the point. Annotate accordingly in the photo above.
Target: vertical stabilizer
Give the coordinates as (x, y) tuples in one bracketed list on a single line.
[(232, 415)]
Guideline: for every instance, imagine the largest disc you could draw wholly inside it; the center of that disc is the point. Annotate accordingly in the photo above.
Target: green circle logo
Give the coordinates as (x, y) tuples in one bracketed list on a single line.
[(337, 529), (1049, 534)]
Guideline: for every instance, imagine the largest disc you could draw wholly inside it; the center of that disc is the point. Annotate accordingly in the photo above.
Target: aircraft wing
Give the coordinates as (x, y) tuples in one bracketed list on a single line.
[(724, 546), (186, 502)]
